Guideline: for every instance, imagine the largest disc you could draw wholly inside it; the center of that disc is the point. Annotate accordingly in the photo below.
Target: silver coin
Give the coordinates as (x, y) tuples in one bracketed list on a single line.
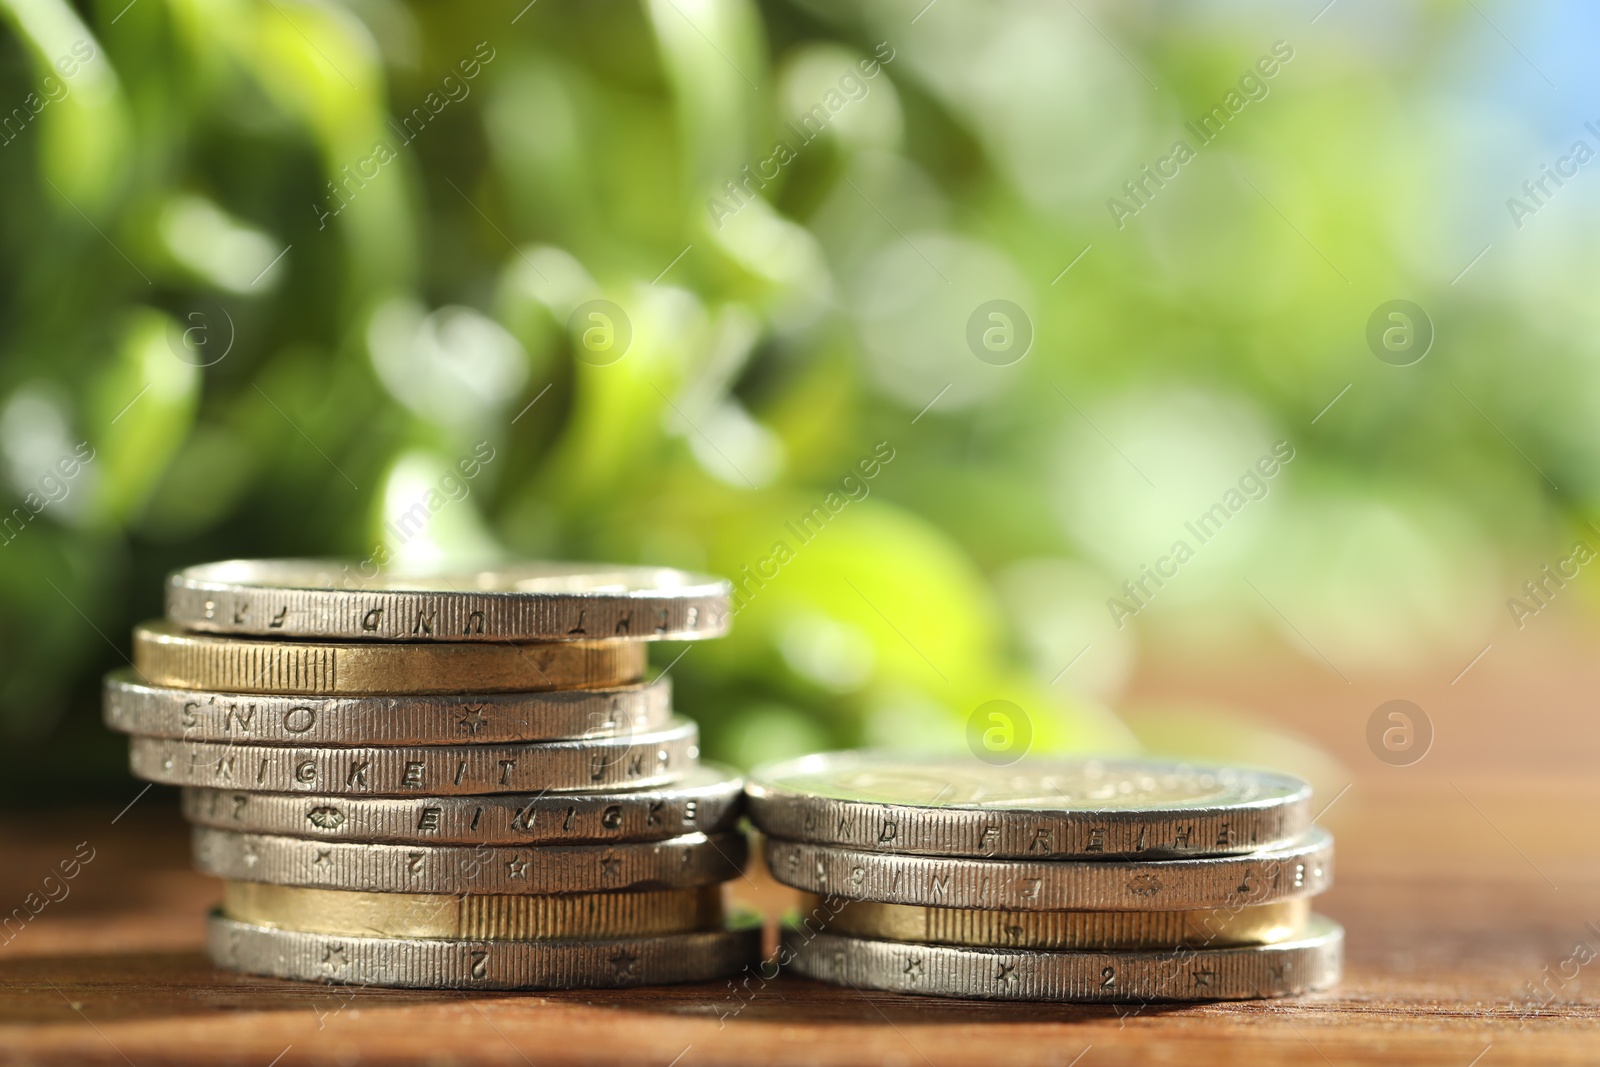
[(1309, 962), (1301, 869), (131, 707), (690, 860), (658, 757), (429, 963), (521, 602), (1034, 809), (707, 800)]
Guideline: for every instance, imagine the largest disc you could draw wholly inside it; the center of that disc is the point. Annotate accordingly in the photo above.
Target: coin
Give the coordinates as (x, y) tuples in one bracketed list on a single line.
[(1255, 924), (482, 917), (1301, 869), (1035, 809), (523, 602), (132, 707), (707, 799), (163, 655), (690, 860), (429, 963), (1310, 961), (654, 758)]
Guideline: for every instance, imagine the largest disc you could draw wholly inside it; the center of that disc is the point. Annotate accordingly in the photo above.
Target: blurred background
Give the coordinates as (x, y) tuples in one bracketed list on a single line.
[(999, 351)]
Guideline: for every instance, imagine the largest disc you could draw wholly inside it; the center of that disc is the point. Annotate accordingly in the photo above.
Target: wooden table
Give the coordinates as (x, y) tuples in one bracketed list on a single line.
[(1463, 881)]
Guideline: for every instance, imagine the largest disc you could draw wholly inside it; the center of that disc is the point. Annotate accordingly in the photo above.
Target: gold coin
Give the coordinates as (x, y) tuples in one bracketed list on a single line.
[(474, 918), (1256, 924), (166, 655)]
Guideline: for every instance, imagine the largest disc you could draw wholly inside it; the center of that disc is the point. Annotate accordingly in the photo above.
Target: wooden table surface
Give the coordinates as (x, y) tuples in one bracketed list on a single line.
[(1463, 881)]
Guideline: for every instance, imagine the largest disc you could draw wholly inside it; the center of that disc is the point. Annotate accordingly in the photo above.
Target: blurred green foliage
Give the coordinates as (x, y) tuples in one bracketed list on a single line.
[(280, 263)]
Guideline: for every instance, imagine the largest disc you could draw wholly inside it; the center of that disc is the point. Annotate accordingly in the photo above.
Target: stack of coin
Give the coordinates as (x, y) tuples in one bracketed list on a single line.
[(450, 781), (1113, 880)]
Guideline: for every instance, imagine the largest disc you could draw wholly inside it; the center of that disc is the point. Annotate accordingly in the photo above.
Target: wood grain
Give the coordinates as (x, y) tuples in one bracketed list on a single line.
[(1463, 882)]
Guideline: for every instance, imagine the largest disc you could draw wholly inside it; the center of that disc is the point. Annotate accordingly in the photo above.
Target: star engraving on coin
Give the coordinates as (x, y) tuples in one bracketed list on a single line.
[(531, 601), (556, 869), (715, 952), (568, 765), (473, 720), (1046, 808), (1238, 972), (324, 858), (1044, 885)]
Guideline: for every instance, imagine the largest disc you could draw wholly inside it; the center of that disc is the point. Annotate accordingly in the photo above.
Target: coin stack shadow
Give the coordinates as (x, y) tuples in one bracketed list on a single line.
[(1116, 880), (514, 806)]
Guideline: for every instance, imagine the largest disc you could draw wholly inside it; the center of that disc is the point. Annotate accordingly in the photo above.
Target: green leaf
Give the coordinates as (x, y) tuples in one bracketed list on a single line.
[(143, 407)]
